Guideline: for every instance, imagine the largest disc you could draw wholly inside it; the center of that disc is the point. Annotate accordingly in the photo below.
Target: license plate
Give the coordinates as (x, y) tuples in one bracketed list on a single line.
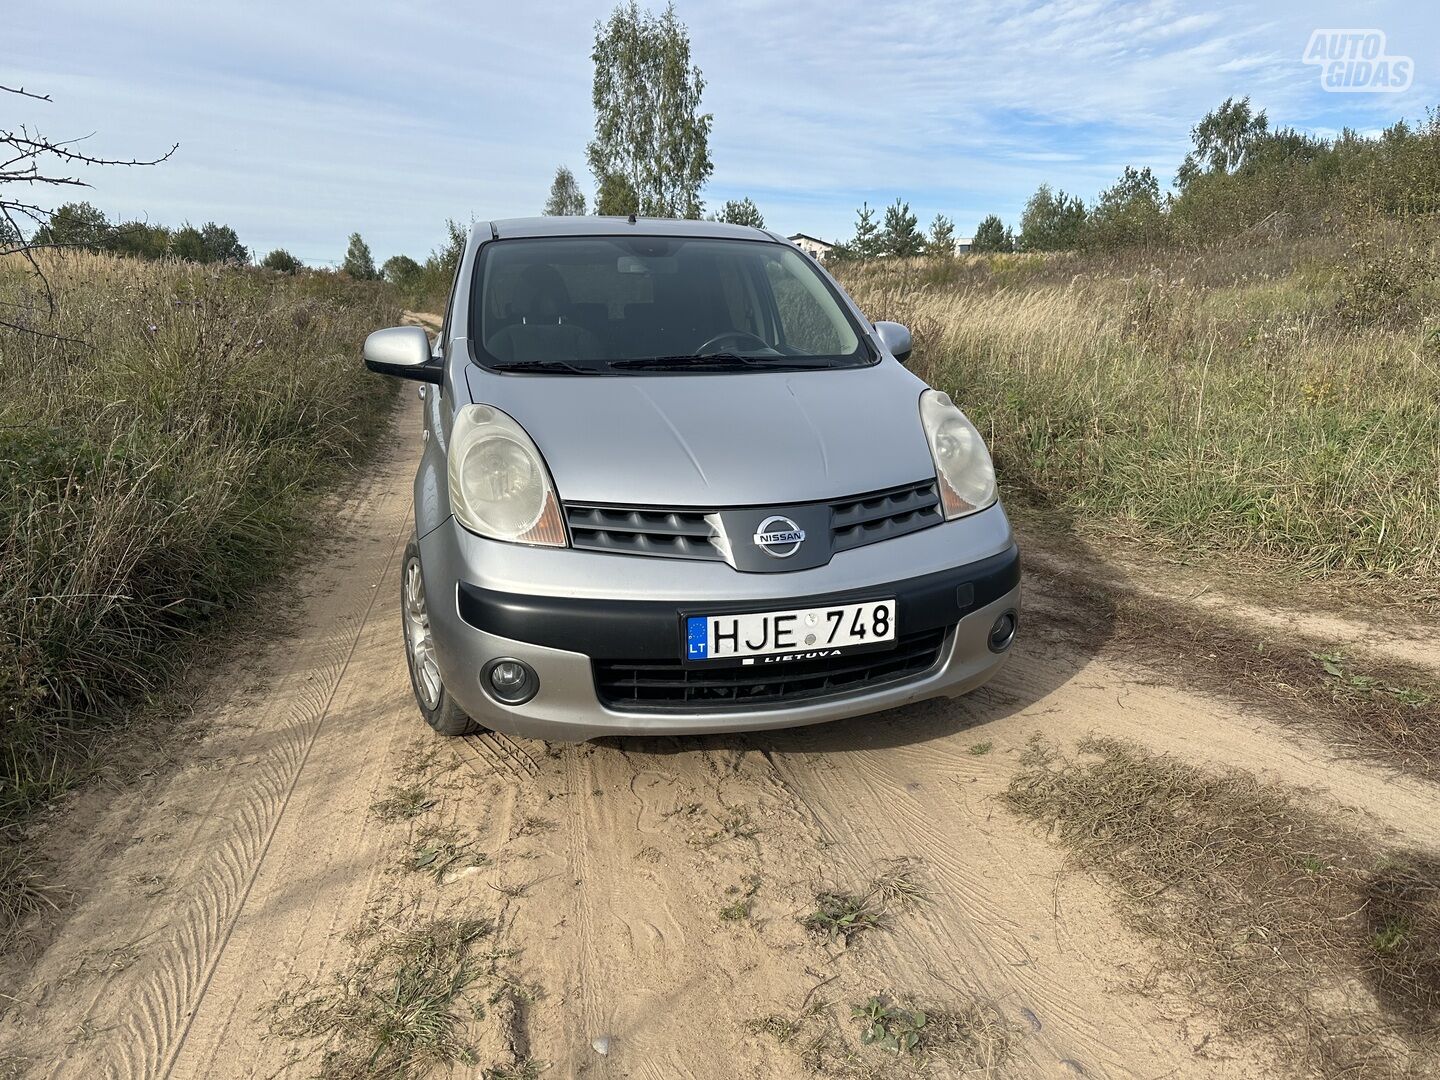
[(798, 634)]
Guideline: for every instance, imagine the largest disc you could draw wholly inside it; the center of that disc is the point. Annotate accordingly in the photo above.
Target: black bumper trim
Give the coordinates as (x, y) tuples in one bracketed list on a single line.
[(645, 629)]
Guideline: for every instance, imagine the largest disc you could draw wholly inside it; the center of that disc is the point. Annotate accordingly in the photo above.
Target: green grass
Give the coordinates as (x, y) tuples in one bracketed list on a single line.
[(1279, 401), (154, 478)]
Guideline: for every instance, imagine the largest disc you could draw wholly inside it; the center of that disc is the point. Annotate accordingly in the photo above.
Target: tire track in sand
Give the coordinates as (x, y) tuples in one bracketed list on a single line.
[(137, 1017), (587, 973), (992, 927), (167, 1007)]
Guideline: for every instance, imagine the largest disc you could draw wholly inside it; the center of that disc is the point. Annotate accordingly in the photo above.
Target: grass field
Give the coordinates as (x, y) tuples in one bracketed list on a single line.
[(154, 472), (1277, 401)]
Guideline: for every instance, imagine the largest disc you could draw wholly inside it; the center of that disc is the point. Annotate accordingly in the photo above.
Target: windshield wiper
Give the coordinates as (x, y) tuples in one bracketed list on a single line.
[(545, 367), (695, 362)]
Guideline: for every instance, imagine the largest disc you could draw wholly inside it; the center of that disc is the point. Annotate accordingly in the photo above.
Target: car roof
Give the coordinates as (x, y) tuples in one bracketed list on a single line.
[(616, 226)]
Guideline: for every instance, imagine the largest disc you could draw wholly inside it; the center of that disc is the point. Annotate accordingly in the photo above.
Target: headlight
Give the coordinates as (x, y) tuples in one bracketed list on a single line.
[(499, 486), (962, 464)]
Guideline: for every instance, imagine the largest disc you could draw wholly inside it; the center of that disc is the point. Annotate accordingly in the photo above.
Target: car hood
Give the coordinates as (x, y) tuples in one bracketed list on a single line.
[(719, 439)]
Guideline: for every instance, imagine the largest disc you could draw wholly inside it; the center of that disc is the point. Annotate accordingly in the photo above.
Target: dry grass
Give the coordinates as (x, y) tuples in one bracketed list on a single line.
[(23, 892), (441, 852), (1284, 924), (404, 802), (1232, 400)]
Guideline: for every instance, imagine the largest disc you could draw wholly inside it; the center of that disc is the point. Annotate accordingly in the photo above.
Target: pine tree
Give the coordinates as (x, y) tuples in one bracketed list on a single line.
[(991, 235), (942, 236), (1052, 221), (901, 235), (742, 212), (281, 261), (866, 244)]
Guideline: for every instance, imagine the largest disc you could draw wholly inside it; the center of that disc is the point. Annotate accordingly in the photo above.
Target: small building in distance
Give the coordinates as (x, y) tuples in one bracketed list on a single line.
[(817, 249), (963, 244)]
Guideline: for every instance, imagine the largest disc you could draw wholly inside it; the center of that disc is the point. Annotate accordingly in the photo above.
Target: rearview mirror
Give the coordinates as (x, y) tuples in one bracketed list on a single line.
[(896, 338), (402, 351)]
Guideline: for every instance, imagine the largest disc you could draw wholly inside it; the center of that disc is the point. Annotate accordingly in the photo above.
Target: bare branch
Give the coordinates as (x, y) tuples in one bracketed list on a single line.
[(37, 145), (23, 153), (25, 93)]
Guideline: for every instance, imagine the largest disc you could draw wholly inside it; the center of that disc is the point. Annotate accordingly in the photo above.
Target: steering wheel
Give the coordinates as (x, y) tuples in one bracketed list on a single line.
[(739, 337)]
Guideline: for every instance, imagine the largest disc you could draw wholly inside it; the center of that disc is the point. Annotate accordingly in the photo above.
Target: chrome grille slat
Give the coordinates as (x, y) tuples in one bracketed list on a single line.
[(674, 534), (881, 515)]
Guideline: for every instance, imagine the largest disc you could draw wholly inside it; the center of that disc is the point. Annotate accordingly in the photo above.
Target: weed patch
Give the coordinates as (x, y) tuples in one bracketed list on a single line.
[(883, 1035), (524, 1070), (738, 910), (731, 823), (22, 893), (439, 851), (895, 887), (401, 1008), (404, 802)]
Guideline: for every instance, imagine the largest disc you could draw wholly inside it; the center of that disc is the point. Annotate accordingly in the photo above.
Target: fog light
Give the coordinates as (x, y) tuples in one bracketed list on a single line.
[(1002, 633), (511, 682)]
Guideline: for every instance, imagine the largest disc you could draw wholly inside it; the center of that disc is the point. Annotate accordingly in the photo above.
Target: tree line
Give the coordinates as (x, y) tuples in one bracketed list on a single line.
[(81, 226), (1240, 175)]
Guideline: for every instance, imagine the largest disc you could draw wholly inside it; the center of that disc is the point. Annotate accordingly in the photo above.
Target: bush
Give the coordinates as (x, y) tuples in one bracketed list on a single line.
[(282, 262)]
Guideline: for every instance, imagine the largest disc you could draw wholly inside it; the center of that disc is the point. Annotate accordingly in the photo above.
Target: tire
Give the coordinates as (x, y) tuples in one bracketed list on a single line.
[(431, 696)]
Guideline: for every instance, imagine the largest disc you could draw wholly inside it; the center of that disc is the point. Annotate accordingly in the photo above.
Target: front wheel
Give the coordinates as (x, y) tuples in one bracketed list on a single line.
[(440, 712)]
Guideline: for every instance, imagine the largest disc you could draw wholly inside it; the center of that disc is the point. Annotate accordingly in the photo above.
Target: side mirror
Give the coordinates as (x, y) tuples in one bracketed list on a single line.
[(402, 351), (896, 338)]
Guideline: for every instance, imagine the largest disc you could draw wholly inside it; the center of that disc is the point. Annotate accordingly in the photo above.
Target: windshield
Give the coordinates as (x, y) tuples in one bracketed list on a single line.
[(621, 304)]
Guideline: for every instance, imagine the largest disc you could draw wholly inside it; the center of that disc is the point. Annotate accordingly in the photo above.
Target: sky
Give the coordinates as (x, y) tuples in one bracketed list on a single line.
[(302, 122)]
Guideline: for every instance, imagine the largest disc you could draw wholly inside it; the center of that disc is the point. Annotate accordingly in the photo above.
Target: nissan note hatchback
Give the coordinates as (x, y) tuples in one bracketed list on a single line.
[(674, 481)]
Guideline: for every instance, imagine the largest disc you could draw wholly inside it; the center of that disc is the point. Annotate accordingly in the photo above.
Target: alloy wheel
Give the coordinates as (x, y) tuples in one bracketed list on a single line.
[(418, 642)]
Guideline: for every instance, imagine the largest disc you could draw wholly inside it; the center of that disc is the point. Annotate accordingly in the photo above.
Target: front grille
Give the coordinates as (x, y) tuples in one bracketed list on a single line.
[(883, 514), (674, 534), (695, 534), (670, 686)]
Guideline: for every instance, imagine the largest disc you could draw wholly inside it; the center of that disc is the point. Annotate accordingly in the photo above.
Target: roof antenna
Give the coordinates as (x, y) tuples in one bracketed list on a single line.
[(632, 219)]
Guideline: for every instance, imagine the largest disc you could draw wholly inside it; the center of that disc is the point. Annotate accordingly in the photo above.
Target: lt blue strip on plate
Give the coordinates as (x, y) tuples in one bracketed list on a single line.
[(697, 641)]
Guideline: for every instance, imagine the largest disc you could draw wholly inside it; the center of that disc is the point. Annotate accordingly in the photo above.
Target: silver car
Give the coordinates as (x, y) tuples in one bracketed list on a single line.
[(674, 481)]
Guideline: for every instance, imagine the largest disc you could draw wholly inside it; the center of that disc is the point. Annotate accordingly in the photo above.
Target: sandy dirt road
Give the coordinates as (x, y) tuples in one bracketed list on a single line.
[(206, 894)]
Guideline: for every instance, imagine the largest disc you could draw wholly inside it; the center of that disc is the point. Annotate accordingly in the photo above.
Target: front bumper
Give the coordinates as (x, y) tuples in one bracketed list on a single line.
[(958, 578)]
